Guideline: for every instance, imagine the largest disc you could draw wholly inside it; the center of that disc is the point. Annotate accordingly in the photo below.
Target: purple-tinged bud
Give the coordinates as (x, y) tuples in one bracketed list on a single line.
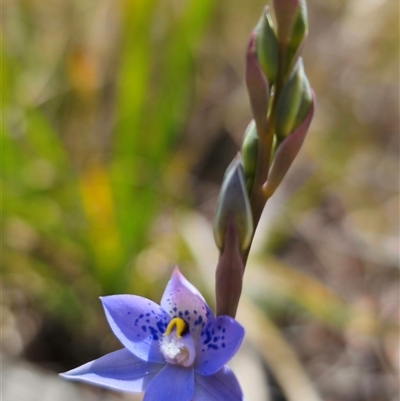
[(250, 154), (293, 103), (229, 274), (291, 16), (267, 46), (257, 87), (287, 12), (287, 152), (233, 203)]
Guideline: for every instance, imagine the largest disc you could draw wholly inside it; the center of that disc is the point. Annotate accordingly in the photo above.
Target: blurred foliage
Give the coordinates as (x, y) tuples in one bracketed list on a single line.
[(112, 109), (94, 98)]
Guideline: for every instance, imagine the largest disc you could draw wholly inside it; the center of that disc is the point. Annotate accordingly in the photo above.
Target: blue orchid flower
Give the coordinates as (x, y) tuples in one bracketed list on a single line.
[(173, 351)]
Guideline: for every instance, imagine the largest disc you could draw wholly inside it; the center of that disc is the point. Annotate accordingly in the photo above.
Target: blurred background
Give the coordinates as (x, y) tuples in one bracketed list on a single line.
[(119, 120)]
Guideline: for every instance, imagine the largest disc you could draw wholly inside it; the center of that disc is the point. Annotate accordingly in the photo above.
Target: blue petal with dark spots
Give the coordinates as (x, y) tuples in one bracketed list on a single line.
[(132, 321), (218, 342), (182, 299)]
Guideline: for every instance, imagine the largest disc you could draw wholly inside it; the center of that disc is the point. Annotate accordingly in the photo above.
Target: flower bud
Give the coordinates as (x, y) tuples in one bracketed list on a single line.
[(250, 154), (288, 14), (233, 203), (294, 102), (257, 86), (291, 16), (287, 151), (267, 46)]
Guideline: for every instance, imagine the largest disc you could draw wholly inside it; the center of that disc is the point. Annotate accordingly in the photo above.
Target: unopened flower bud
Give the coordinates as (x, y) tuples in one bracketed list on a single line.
[(233, 203), (257, 86), (267, 46), (287, 151), (291, 16), (294, 102), (250, 154), (287, 13)]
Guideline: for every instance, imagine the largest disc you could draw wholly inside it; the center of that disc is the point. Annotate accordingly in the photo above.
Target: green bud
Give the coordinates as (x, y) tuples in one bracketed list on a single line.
[(257, 87), (267, 46), (233, 203), (250, 154), (287, 151), (293, 103), (287, 13), (291, 16), (299, 33)]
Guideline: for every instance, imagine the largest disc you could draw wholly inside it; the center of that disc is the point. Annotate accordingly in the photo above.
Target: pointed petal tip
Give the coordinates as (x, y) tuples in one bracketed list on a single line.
[(69, 374), (104, 299), (176, 271), (118, 370)]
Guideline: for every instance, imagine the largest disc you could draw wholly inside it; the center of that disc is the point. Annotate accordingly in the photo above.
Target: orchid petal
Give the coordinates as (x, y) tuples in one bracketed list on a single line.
[(182, 299), (119, 370), (173, 382), (138, 323), (218, 342), (220, 386)]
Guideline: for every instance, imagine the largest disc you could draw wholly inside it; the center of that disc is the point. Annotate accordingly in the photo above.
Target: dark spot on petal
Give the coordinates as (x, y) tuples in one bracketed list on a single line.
[(208, 337), (154, 333), (161, 326)]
